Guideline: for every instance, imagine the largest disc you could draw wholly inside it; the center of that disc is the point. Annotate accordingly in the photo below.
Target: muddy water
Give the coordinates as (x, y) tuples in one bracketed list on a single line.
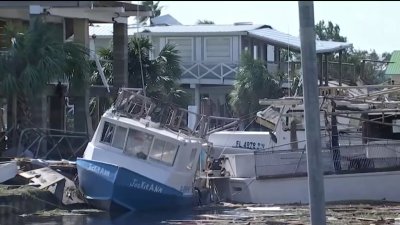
[(347, 213), (96, 218)]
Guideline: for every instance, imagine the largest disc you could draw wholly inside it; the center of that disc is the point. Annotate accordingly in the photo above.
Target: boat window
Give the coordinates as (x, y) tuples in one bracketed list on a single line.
[(157, 150), (163, 151), (108, 132), (191, 159), (169, 153), (119, 137), (138, 144), (296, 121)]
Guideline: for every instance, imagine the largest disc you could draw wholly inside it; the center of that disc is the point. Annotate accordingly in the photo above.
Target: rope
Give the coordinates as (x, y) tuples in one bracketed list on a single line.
[(139, 49)]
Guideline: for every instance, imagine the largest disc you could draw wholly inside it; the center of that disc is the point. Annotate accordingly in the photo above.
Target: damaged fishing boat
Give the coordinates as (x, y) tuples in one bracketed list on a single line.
[(360, 153), (136, 163)]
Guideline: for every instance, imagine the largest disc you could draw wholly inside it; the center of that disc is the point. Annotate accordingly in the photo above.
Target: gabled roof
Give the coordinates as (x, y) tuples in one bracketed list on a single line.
[(165, 20), (394, 68), (284, 40), (262, 32)]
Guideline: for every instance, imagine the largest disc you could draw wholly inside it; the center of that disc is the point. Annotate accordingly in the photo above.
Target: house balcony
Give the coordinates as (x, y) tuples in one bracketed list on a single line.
[(223, 73)]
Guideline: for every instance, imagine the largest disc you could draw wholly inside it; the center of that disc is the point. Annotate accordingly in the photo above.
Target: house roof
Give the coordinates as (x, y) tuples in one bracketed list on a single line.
[(95, 11), (105, 30), (201, 28), (165, 20), (394, 68), (284, 40), (263, 32)]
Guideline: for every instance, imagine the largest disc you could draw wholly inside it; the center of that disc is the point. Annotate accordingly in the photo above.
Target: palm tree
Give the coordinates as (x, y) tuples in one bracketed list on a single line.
[(205, 22), (154, 8), (253, 82), (36, 57), (160, 73)]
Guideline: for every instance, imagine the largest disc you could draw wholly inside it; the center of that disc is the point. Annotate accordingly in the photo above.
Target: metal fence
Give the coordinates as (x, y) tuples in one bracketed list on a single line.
[(52, 144)]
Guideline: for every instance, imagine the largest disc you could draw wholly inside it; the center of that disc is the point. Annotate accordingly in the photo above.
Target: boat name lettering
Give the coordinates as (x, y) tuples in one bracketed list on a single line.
[(99, 170), (145, 186), (249, 145)]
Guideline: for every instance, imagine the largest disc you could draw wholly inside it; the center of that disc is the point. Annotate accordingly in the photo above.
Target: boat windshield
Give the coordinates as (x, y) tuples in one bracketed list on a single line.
[(164, 151), (139, 144)]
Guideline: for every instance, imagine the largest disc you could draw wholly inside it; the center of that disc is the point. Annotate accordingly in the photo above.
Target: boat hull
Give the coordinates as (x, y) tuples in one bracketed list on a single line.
[(371, 186), (113, 188)]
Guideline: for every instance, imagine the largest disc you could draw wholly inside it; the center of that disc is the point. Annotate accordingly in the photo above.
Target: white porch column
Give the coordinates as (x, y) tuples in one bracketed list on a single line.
[(80, 97), (196, 96)]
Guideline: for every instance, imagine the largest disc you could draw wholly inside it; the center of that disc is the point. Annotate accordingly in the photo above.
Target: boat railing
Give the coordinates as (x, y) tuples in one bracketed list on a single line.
[(132, 104), (344, 159)]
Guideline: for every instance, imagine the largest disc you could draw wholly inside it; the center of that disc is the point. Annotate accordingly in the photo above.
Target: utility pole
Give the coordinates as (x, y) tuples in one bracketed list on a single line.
[(311, 104)]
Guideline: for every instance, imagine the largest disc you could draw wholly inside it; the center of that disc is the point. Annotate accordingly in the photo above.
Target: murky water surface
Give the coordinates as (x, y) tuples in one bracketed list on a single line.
[(361, 213)]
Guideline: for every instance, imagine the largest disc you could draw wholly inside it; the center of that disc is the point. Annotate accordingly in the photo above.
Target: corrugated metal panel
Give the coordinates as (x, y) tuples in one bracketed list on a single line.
[(101, 30), (284, 40), (106, 30), (203, 28), (394, 68)]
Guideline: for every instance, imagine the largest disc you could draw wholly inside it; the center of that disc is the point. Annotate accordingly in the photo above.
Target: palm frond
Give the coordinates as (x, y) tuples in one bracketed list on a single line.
[(253, 82)]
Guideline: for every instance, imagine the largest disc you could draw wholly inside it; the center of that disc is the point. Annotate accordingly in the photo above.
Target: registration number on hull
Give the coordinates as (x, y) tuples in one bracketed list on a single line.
[(249, 145)]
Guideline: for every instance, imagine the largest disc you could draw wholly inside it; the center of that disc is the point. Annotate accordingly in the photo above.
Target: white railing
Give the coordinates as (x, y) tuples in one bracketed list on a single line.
[(346, 159), (217, 71)]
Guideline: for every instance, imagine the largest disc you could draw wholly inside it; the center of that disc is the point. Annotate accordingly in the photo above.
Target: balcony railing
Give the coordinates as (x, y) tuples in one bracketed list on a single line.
[(225, 72), (219, 72)]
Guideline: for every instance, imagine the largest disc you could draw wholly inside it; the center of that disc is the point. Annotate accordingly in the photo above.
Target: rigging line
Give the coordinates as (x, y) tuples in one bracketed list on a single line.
[(139, 48), (288, 69)]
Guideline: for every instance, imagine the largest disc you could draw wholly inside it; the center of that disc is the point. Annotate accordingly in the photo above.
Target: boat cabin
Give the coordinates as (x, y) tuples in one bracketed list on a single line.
[(125, 137)]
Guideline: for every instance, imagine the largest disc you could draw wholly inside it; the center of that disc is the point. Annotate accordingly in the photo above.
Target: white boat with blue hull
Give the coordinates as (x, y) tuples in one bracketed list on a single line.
[(133, 163), (119, 189)]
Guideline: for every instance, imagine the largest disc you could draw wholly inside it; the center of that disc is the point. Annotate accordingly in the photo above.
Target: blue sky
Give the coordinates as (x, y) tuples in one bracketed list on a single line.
[(368, 25)]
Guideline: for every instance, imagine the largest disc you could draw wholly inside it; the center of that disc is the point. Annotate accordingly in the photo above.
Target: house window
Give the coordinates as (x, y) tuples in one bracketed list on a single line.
[(271, 54), (138, 144), (184, 46), (218, 49), (164, 152)]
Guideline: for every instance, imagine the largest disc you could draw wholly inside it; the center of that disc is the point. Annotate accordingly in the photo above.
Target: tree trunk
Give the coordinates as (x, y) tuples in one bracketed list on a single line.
[(335, 141), (14, 112), (20, 119)]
